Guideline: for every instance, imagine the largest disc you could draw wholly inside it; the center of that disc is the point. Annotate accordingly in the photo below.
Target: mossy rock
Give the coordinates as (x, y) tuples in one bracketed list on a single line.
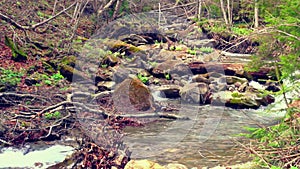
[(69, 60), (71, 73), (120, 46)]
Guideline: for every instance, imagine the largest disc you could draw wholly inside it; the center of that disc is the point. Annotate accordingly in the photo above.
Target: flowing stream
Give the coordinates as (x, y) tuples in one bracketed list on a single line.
[(206, 140)]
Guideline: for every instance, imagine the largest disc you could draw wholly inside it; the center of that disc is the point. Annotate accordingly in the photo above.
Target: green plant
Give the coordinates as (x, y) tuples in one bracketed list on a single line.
[(192, 52), (104, 65), (142, 78), (167, 76), (241, 31), (48, 82), (178, 48), (236, 94), (206, 49), (9, 77), (57, 77), (54, 115), (63, 88)]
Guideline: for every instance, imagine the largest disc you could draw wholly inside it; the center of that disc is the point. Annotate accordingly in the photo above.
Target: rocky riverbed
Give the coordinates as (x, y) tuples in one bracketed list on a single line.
[(163, 94)]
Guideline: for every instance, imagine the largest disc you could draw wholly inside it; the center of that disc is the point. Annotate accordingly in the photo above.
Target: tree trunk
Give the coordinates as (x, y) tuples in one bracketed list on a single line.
[(256, 14), (199, 9), (223, 11), (229, 12)]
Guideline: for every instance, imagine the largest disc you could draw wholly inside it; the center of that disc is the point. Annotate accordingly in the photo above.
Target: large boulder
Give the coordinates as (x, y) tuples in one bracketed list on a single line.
[(132, 96)]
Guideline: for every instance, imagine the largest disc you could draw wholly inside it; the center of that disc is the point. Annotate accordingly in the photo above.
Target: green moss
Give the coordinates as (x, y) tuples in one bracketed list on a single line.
[(237, 95), (69, 60)]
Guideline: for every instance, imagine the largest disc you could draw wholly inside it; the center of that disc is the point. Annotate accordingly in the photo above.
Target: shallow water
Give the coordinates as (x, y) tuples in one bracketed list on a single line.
[(206, 140)]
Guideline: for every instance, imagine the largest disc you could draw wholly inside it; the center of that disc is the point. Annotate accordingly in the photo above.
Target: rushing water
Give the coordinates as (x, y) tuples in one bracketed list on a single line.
[(206, 140)]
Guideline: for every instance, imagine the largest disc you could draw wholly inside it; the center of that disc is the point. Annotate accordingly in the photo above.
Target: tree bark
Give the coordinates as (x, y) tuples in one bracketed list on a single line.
[(256, 14), (199, 9), (229, 12), (224, 12)]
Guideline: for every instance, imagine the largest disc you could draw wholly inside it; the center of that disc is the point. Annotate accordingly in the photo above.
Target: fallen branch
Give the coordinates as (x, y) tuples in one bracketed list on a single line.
[(69, 105)]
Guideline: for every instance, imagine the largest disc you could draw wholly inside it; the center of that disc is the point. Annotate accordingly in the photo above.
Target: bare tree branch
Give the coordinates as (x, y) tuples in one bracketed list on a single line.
[(105, 7), (18, 26)]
